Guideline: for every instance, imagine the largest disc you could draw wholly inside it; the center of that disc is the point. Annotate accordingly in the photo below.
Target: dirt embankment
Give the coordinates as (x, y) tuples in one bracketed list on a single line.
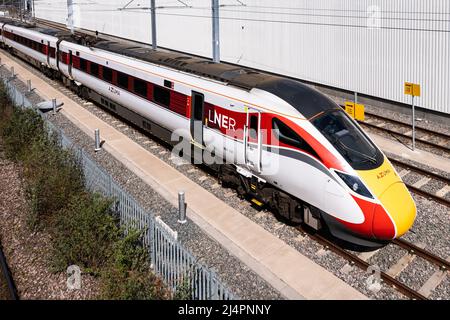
[(28, 253)]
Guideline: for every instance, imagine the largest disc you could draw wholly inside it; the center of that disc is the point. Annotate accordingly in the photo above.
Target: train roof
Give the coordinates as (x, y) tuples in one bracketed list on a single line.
[(33, 27), (306, 100)]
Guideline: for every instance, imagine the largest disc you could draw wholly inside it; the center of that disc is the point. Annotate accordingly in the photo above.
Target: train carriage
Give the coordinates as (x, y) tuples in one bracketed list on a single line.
[(285, 144)]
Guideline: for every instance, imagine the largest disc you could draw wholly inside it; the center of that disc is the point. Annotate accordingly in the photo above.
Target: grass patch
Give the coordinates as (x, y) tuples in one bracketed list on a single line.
[(127, 277)]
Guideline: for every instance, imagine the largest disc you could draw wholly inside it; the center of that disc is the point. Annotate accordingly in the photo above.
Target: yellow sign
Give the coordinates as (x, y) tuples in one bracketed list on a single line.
[(355, 110), (412, 89), (350, 109), (359, 112)]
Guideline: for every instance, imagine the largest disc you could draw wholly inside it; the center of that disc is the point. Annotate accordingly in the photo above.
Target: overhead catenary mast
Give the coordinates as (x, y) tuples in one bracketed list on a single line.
[(215, 30), (153, 14)]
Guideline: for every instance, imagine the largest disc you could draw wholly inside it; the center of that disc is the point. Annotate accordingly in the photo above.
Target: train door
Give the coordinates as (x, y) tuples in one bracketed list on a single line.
[(48, 53), (69, 67), (198, 101), (253, 140)]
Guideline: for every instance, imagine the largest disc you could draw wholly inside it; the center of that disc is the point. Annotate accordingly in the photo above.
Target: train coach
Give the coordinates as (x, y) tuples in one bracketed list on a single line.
[(286, 145)]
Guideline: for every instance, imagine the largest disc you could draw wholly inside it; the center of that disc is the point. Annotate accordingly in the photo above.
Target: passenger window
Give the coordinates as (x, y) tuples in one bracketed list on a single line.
[(140, 87), (288, 136), (161, 96), (94, 69), (253, 132), (107, 74), (83, 65), (122, 80)]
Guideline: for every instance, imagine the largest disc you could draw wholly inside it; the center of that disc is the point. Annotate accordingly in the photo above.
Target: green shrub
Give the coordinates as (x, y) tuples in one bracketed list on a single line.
[(23, 128), (83, 229), (183, 291), (129, 276), (6, 108), (52, 176), (85, 233)]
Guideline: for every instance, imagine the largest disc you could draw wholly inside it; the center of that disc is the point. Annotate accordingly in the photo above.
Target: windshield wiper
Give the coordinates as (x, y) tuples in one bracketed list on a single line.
[(365, 156)]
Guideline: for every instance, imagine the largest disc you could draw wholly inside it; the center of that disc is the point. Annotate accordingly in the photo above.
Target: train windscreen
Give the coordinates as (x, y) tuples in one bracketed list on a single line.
[(349, 140)]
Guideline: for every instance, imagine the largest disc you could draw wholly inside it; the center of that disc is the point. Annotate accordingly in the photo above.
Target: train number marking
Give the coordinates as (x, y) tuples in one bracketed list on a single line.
[(383, 174), (114, 90)]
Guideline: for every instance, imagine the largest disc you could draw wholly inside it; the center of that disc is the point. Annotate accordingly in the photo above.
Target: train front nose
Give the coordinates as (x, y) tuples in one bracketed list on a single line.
[(396, 214)]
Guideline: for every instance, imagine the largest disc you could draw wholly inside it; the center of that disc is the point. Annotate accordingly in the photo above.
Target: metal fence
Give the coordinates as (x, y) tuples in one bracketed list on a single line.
[(169, 259)]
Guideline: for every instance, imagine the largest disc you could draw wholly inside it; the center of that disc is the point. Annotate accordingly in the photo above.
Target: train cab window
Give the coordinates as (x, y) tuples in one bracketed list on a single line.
[(83, 64), (95, 69), (107, 74), (288, 136), (122, 80), (349, 140), (161, 96), (140, 87), (253, 132)]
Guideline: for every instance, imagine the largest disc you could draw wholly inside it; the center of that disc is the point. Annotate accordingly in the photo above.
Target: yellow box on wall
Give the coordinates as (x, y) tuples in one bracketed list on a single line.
[(359, 112)]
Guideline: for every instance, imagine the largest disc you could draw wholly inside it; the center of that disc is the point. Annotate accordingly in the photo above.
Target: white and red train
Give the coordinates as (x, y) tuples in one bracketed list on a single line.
[(291, 147)]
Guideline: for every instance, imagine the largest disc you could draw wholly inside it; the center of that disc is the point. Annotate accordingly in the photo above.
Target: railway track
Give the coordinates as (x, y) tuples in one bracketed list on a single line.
[(437, 140), (6, 277), (429, 176), (424, 254), (388, 278), (364, 265)]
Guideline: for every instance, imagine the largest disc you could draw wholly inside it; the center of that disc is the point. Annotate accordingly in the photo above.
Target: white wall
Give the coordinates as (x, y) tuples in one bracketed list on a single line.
[(333, 42)]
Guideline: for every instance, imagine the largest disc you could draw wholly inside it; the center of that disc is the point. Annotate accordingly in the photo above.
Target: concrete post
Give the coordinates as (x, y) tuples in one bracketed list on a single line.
[(181, 208), (29, 88)]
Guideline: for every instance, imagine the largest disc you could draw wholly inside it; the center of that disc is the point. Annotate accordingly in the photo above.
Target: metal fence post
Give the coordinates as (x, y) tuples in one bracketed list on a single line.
[(413, 125), (13, 75), (97, 140), (54, 106), (181, 208)]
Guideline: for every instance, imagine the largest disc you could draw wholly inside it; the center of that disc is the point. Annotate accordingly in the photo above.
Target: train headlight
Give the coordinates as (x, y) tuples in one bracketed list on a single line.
[(355, 184)]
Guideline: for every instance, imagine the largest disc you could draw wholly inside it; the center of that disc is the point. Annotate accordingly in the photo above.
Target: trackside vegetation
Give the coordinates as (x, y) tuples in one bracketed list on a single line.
[(84, 229)]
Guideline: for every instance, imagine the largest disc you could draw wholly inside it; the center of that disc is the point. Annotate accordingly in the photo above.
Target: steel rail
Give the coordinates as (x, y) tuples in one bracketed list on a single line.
[(431, 257), (8, 277), (429, 195), (420, 170), (428, 131), (393, 132), (424, 172)]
